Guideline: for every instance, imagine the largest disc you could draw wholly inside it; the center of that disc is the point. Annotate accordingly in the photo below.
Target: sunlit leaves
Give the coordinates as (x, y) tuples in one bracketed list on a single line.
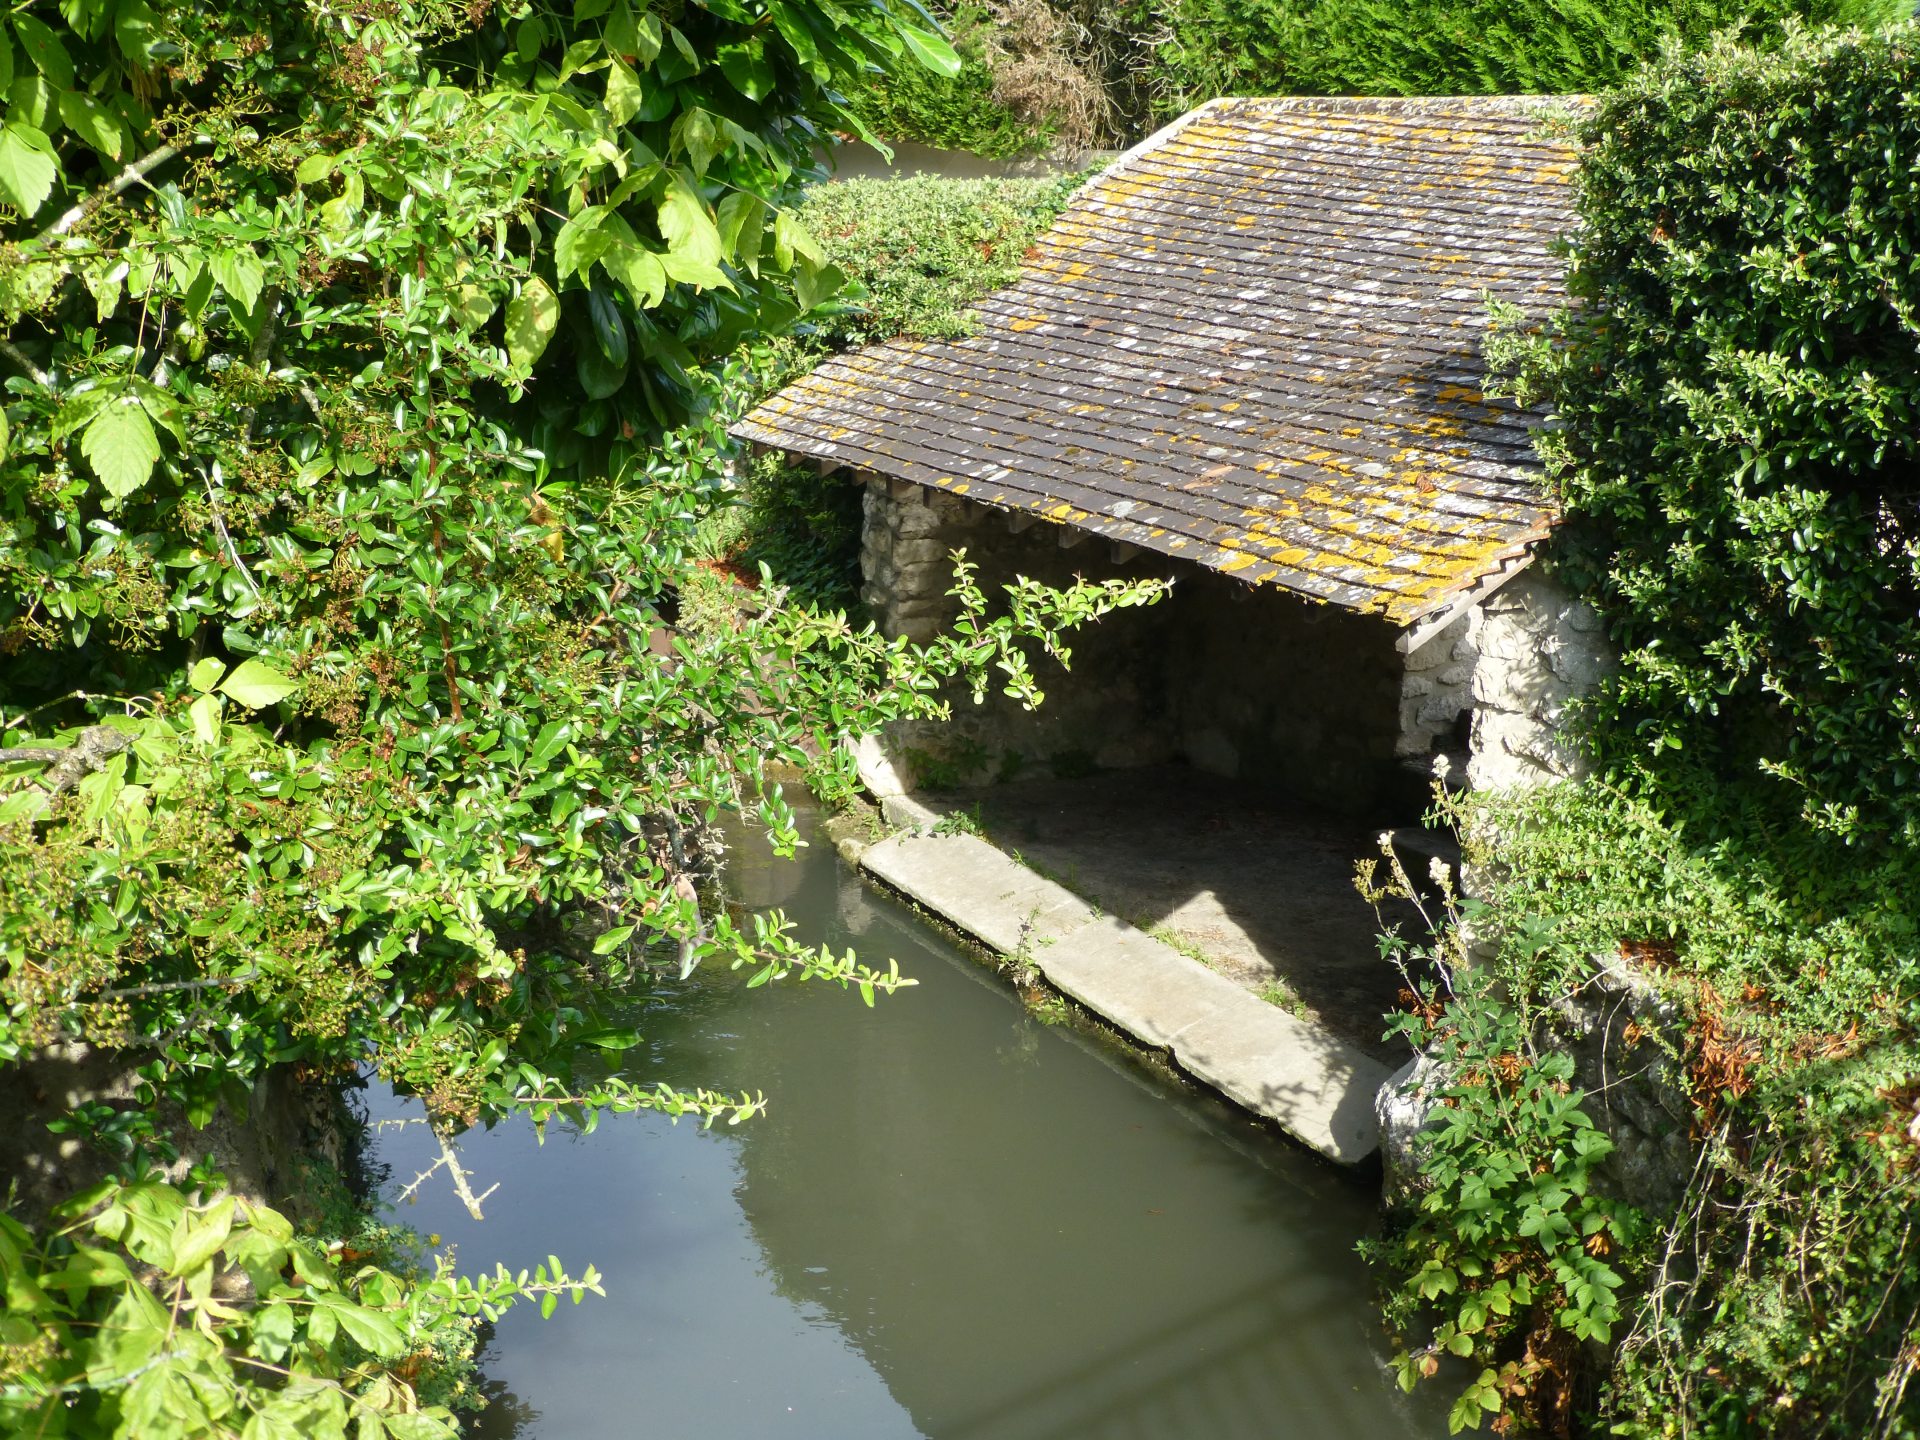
[(27, 167), (694, 251), (120, 444), (256, 684), (168, 1351), (623, 91), (532, 317), (240, 274)]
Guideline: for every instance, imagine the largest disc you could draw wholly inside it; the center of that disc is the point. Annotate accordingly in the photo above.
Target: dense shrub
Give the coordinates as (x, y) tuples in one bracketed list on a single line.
[(918, 252), (1739, 451), (958, 112), (1735, 450), (1442, 47), (366, 371)]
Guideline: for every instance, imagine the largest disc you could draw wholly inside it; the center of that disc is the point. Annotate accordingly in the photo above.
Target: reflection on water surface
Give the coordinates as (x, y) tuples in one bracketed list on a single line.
[(953, 1222)]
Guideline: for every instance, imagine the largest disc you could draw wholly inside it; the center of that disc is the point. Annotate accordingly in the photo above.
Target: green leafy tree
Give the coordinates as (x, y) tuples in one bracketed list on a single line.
[(366, 382)]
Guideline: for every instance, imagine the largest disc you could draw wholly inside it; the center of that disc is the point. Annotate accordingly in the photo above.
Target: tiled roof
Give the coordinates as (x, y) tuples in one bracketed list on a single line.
[(1253, 342)]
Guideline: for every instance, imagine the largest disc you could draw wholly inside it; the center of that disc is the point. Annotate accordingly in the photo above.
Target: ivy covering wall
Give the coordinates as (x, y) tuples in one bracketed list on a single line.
[(1736, 396)]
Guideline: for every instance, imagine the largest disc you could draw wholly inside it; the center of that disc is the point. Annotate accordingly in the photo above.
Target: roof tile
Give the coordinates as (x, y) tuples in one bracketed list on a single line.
[(1253, 342)]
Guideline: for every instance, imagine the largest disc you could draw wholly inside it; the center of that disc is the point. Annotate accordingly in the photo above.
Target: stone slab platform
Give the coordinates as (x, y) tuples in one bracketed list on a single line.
[(1317, 1086)]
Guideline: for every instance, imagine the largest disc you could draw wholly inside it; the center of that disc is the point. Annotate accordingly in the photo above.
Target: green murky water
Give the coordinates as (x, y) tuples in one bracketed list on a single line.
[(954, 1222)]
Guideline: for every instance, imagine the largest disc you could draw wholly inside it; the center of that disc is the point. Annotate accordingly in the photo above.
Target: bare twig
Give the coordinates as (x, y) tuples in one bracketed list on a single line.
[(167, 987), (20, 357), (134, 172), (462, 1185), (220, 525)]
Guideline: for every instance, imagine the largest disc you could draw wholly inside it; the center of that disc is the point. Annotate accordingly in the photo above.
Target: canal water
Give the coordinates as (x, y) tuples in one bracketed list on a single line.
[(953, 1222)]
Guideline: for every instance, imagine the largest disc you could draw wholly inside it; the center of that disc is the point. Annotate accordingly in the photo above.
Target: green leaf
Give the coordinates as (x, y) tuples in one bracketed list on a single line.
[(612, 1039), (131, 1335), (793, 240), (240, 274), (371, 1330), (742, 220), (580, 241), (694, 252), (92, 122), (120, 445), (532, 316), (930, 50), (813, 284), (473, 307), (419, 1425), (612, 940), (27, 167), (639, 269), (199, 1237), (609, 330), (205, 714), (696, 134), (206, 674), (256, 685), (315, 167), (6, 60), (747, 70), (43, 47), (623, 92), (5, 434)]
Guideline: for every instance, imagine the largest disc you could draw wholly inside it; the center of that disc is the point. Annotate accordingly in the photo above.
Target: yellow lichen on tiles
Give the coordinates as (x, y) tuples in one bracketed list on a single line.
[(1365, 519)]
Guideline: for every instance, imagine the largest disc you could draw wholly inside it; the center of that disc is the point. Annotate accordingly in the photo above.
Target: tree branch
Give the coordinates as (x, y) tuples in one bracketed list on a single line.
[(93, 747), (166, 987), (135, 171), (20, 357)]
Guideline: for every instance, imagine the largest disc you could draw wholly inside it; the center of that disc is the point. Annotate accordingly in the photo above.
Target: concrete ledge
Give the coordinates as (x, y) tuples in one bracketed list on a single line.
[(969, 883), (1316, 1086)]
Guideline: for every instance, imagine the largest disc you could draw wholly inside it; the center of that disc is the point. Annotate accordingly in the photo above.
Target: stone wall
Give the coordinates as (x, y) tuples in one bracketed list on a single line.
[(1285, 694), (1436, 693), (1253, 684), (1538, 648), (1108, 711), (260, 1148)]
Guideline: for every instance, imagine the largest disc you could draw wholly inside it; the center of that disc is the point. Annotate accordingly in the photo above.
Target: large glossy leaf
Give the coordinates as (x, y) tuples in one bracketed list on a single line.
[(27, 167)]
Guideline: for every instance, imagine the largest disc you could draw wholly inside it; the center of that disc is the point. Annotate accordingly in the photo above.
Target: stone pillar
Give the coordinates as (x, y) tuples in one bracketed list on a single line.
[(1538, 648), (1438, 688), (907, 534)]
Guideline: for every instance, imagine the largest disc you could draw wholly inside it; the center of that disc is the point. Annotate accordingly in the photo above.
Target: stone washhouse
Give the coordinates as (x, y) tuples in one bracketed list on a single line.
[(1247, 358)]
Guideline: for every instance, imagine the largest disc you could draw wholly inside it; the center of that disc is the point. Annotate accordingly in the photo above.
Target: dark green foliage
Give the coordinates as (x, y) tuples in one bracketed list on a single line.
[(1442, 47), (1740, 458), (1736, 454), (805, 528), (951, 113), (1509, 1240), (1781, 1295)]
